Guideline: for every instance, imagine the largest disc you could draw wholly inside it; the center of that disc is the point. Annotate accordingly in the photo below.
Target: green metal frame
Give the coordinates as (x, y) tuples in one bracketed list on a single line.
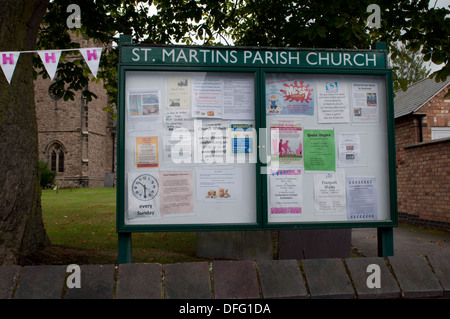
[(385, 227), (121, 226), (387, 74)]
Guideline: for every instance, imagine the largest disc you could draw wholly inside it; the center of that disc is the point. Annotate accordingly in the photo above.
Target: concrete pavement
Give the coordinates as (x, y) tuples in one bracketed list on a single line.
[(409, 240), (420, 268)]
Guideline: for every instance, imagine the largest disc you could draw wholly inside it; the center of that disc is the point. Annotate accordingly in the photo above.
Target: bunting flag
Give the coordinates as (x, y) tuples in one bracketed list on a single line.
[(8, 61), (92, 58), (50, 59)]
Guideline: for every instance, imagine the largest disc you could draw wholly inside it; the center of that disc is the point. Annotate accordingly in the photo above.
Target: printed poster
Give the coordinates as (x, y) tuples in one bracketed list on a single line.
[(289, 97), (147, 152), (320, 153), (362, 198), (285, 188), (329, 193), (143, 195), (144, 103), (333, 105), (242, 138), (178, 118), (207, 97), (177, 192), (365, 102), (286, 142), (143, 107), (178, 133), (349, 148), (211, 141), (219, 184), (179, 92), (239, 97)]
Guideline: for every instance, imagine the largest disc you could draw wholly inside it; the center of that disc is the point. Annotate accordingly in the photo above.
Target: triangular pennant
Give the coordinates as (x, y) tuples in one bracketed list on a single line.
[(8, 61), (92, 58), (50, 58)]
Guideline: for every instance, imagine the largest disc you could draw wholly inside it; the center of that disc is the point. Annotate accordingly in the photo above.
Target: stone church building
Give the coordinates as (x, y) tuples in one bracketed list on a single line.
[(76, 138)]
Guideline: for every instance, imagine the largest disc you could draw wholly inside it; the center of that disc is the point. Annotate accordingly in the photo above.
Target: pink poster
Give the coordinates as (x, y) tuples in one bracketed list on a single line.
[(285, 192), (286, 142)]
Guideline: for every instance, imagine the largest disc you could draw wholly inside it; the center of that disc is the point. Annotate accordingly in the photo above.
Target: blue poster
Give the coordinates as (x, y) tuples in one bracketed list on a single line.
[(242, 138)]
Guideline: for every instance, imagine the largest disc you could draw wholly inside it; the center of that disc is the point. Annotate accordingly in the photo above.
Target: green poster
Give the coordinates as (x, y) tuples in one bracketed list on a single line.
[(319, 150)]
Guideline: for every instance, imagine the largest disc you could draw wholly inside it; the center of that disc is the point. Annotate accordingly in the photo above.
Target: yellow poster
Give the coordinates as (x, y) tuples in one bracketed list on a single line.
[(147, 152)]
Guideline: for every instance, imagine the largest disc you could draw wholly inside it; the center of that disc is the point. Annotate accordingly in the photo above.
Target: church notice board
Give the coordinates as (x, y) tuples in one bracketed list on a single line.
[(229, 138)]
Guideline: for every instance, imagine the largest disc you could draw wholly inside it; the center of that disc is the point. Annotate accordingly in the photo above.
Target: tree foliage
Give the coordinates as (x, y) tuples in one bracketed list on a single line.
[(274, 23), (409, 67)]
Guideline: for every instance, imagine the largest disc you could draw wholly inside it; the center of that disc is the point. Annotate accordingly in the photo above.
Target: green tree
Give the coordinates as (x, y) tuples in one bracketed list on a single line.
[(343, 24), (47, 175), (409, 67), (315, 24), (274, 23)]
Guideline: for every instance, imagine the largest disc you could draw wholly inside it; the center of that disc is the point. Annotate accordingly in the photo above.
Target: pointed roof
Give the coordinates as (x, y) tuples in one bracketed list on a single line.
[(416, 95)]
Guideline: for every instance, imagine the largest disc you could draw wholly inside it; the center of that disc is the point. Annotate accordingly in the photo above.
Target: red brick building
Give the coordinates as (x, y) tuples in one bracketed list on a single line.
[(422, 130)]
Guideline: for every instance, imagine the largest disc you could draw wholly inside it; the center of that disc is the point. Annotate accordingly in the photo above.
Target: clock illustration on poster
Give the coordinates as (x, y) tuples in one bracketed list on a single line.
[(145, 187)]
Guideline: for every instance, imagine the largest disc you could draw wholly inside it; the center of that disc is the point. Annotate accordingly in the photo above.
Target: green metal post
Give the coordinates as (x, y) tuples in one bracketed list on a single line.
[(124, 246), (385, 241)]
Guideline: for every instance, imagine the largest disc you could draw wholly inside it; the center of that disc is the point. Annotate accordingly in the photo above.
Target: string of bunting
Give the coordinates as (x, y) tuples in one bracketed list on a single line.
[(50, 59)]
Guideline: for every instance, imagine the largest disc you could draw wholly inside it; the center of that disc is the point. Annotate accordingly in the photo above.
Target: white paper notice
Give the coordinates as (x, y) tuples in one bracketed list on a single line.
[(349, 150), (329, 193), (143, 110), (207, 97), (179, 92), (365, 102), (285, 188), (211, 141), (238, 97), (333, 104), (219, 184), (178, 137), (143, 195), (361, 198)]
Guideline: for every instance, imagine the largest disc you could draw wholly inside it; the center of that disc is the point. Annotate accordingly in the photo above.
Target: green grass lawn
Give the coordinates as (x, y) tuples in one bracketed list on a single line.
[(81, 223)]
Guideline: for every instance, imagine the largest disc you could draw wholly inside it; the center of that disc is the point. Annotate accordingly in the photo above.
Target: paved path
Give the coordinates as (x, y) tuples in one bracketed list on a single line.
[(419, 269), (400, 277)]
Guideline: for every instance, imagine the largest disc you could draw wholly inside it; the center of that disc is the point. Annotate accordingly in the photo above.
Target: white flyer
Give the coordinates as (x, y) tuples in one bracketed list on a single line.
[(362, 201), (216, 184), (333, 105), (329, 193), (143, 195), (238, 97), (349, 150), (207, 94), (365, 102)]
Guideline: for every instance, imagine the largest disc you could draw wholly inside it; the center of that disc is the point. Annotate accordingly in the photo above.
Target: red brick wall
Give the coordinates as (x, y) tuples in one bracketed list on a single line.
[(423, 182), (423, 169), (437, 112)]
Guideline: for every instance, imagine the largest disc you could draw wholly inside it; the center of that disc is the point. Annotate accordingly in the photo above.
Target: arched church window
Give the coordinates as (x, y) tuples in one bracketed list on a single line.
[(55, 152)]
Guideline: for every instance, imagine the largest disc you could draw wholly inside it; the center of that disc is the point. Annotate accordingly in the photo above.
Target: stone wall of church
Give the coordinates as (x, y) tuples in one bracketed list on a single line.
[(82, 132)]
